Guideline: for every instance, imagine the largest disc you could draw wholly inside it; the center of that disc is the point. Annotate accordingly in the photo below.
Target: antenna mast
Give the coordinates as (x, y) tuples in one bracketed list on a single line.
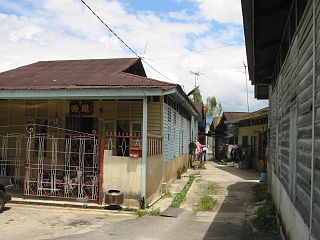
[(245, 72)]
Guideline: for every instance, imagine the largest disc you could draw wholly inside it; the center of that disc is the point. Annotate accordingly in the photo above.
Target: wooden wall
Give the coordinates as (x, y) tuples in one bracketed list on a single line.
[(291, 122)]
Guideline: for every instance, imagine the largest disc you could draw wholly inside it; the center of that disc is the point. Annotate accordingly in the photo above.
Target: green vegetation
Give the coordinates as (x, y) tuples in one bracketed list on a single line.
[(206, 203), (140, 212), (223, 162), (213, 107), (197, 97), (265, 220), (211, 189), (181, 196), (260, 192), (167, 194), (128, 209)]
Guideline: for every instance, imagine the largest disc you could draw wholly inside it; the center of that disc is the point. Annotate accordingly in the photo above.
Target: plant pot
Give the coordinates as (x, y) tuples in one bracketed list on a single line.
[(114, 197)]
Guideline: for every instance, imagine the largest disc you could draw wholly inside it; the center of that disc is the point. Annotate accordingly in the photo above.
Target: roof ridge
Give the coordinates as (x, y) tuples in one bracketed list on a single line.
[(151, 79), (86, 59)]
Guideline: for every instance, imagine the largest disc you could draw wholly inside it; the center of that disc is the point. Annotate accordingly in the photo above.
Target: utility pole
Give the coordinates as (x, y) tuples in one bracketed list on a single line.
[(245, 72)]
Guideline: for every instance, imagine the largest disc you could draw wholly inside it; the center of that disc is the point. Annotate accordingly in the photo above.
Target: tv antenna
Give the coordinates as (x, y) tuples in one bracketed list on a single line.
[(245, 72), (196, 77)]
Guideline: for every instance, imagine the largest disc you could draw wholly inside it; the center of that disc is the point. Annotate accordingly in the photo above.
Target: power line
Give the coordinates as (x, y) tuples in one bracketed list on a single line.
[(110, 29), (155, 69), (192, 53), (106, 25)]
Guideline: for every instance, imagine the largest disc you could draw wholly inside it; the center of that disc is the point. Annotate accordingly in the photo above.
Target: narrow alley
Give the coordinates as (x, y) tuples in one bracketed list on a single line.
[(227, 221)]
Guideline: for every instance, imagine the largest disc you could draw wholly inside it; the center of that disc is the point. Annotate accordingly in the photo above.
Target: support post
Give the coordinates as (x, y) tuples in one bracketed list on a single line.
[(144, 152), (102, 144)]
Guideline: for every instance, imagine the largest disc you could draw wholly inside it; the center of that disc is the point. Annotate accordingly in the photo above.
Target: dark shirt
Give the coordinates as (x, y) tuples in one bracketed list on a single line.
[(192, 147)]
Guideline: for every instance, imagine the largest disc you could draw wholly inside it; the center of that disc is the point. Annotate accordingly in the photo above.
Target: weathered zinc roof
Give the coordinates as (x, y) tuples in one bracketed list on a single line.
[(229, 116), (81, 74), (199, 107), (258, 113)]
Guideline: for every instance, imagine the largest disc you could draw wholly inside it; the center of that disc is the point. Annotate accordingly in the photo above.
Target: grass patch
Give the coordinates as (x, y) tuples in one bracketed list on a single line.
[(260, 192), (181, 196), (223, 162), (141, 213), (211, 189), (128, 209), (167, 194), (206, 203), (265, 221)]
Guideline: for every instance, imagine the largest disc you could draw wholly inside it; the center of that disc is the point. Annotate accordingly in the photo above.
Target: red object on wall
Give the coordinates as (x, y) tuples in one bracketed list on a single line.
[(135, 152)]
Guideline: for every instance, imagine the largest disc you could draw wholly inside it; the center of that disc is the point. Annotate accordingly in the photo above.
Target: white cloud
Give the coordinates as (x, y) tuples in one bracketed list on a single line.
[(225, 11), (64, 29)]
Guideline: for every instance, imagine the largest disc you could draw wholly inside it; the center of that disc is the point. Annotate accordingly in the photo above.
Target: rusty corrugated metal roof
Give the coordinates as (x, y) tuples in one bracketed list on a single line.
[(216, 121), (81, 74), (229, 116), (199, 106)]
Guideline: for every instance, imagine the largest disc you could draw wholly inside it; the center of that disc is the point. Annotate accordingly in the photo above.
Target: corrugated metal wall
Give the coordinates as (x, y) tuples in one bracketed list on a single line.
[(291, 121)]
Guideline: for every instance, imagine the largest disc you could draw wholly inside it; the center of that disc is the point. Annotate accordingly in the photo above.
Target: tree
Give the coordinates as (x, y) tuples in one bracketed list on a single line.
[(213, 107), (197, 97)]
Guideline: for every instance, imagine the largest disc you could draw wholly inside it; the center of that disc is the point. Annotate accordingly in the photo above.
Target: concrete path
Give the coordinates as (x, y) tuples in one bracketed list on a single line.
[(227, 221), (29, 222)]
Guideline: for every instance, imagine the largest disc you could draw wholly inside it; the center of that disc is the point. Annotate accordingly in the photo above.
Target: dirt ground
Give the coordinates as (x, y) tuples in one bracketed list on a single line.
[(43, 222)]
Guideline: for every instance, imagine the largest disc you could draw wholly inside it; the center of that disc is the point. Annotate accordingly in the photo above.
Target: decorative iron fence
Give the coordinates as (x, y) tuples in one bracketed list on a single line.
[(62, 165), (12, 159)]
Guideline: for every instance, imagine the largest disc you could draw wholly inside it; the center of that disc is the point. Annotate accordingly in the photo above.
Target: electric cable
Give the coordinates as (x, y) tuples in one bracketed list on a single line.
[(119, 38)]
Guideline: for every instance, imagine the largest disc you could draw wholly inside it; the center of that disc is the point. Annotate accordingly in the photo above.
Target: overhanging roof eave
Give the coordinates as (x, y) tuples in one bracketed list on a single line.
[(82, 93)]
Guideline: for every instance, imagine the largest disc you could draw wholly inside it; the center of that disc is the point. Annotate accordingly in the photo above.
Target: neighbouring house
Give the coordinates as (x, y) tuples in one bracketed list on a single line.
[(75, 129), (252, 137), (226, 133), (209, 136), (201, 121), (282, 42), (213, 126)]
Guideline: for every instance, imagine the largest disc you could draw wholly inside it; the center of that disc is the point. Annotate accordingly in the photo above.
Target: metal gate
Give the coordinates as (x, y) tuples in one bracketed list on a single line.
[(11, 160), (61, 165)]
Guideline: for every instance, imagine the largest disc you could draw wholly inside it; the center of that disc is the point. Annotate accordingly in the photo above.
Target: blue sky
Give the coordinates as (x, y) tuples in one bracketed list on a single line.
[(161, 6), (172, 30)]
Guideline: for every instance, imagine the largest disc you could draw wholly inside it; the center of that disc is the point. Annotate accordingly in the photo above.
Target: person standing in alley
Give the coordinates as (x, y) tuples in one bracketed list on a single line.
[(204, 152), (199, 153), (192, 150)]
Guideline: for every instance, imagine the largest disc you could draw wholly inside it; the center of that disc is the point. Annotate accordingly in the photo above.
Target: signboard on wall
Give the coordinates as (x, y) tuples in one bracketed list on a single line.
[(81, 107)]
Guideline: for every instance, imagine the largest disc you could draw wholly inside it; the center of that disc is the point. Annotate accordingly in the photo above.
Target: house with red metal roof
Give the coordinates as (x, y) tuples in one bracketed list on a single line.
[(248, 130), (252, 137), (76, 129), (224, 133)]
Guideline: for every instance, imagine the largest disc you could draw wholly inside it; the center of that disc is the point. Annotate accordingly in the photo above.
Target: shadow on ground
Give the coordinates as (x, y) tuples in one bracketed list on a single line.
[(231, 221), (6, 209)]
